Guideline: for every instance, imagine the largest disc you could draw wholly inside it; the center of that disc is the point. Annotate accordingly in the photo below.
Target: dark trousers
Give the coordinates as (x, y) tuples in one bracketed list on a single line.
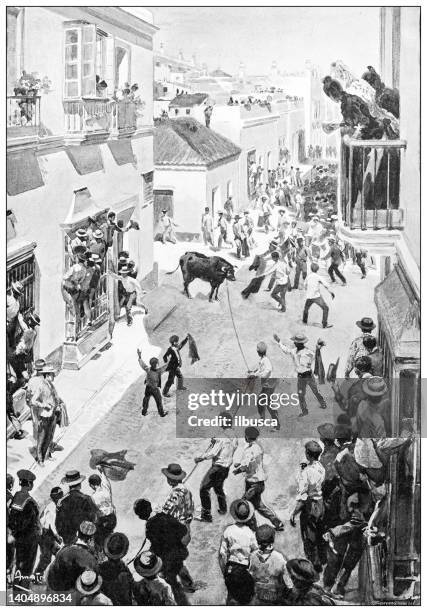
[(26, 553), (279, 294), (175, 373), (362, 266), (301, 268), (48, 549), (152, 392), (253, 492), (304, 380), (265, 404), (253, 287), (322, 304), (332, 270), (128, 300), (349, 549), (311, 524), (213, 479), (45, 433)]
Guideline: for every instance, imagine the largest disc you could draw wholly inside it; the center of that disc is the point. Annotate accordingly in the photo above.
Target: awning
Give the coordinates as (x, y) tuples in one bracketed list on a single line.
[(122, 151), (85, 158), (82, 207), (23, 172), (399, 313)]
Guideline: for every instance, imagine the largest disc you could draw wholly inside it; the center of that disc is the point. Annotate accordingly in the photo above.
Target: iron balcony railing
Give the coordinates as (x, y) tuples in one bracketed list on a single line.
[(22, 115), (370, 184)]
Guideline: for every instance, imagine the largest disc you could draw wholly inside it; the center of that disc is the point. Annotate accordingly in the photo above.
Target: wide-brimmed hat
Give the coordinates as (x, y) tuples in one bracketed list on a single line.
[(164, 210), (98, 234), (220, 212), (95, 258), (302, 570), (72, 477), (327, 431), (300, 338), (81, 233), (241, 510), (375, 386), (88, 583), (147, 564), (124, 270), (366, 323), (26, 475), (174, 472), (116, 545), (87, 528), (17, 287), (41, 366)]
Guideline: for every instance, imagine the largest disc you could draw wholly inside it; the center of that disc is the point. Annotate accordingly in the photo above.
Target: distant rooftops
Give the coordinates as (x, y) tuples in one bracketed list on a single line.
[(188, 100)]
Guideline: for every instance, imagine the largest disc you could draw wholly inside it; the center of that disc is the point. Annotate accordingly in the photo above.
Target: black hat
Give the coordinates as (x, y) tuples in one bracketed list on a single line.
[(116, 545), (174, 472), (34, 319), (56, 493), (327, 431), (147, 564), (366, 324), (302, 570), (26, 475), (251, 433)]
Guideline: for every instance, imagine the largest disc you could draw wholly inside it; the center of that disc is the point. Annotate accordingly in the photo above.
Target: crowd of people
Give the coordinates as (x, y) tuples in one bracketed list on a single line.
[(316, 152)]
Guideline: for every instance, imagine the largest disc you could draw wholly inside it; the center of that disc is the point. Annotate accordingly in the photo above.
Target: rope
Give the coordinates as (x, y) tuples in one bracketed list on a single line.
[(234, 326)]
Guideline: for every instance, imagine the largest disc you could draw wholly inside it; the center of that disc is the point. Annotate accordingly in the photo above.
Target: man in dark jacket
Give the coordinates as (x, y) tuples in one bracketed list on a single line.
[(73, 559), (305, 592), (117, 580), (174, 364), (74, 508), (337, 259), (24, 525), (169, 539)]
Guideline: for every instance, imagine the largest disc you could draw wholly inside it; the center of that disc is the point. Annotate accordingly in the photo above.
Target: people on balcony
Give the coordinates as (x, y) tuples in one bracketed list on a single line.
[(386, 97)]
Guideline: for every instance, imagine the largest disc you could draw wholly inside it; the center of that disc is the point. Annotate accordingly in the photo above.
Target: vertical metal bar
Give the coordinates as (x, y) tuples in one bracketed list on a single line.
[(389, 223), (362, 193), (375, 211), (350, 188)]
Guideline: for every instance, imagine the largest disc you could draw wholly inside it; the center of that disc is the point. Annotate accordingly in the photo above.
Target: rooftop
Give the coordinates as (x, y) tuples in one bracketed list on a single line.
[(186, 100), (186, 142), (220, 73)]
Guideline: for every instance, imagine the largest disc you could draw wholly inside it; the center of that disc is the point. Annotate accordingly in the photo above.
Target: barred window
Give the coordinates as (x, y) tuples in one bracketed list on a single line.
[(23, 271)]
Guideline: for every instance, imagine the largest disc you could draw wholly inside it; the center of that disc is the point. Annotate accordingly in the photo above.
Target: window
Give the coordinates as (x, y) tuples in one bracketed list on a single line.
[(176, 111), (84, 60), (165, 90), (187, 111), (14, 43), (22, 269)]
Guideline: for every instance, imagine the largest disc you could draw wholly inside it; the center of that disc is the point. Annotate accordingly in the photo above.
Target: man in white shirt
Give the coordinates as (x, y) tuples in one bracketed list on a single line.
[(309, 505), (303, 359), (263, 371), (281, 272), (221, 452), (238, 540), (50, 542), (266, 211), (313, 295), (251, 464), (207, 227), (131, 294), (103, 498)]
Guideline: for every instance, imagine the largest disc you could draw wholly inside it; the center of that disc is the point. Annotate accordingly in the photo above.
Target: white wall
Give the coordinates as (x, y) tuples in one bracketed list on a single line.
[(189, 194), (219, 177), (410, 127), (40, 212)]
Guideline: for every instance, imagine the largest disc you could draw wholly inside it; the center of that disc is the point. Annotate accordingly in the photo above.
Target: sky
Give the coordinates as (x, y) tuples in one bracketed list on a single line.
[(223, 37)]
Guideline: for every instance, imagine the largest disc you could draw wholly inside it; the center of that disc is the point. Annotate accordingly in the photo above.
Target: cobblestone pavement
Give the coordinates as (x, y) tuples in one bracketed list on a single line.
[(151, 441)]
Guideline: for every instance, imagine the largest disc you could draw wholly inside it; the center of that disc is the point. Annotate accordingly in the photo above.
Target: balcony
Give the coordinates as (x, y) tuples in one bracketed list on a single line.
[(87, 120), (22, 116), (124, 118), (369, 193)]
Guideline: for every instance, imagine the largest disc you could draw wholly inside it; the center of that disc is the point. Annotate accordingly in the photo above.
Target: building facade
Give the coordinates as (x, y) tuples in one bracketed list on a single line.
[(388, 225), (79, 143), (195, 167)]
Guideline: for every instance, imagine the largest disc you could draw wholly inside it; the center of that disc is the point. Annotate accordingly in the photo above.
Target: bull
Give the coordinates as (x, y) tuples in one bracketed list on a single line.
[(213, 269)]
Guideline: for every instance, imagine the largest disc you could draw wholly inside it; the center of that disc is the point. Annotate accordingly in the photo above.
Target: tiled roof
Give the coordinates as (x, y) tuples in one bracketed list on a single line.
[(184, 141), (188, 100)]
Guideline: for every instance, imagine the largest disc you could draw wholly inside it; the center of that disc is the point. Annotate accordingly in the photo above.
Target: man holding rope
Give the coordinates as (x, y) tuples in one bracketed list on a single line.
[(221, 452)]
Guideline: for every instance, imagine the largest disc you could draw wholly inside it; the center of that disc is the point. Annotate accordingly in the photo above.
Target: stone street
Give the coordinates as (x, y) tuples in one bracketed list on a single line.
[(151, 441)]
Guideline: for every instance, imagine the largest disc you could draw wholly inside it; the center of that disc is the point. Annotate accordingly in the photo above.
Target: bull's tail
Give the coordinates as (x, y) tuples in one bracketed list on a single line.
[(173, 271)]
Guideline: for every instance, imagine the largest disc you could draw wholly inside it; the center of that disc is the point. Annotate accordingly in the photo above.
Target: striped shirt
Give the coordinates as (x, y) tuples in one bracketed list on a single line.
[(179, 504)]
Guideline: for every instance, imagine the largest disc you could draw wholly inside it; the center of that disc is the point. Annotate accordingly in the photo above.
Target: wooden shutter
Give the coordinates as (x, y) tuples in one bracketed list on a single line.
[(72, 58), (88, 61)]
